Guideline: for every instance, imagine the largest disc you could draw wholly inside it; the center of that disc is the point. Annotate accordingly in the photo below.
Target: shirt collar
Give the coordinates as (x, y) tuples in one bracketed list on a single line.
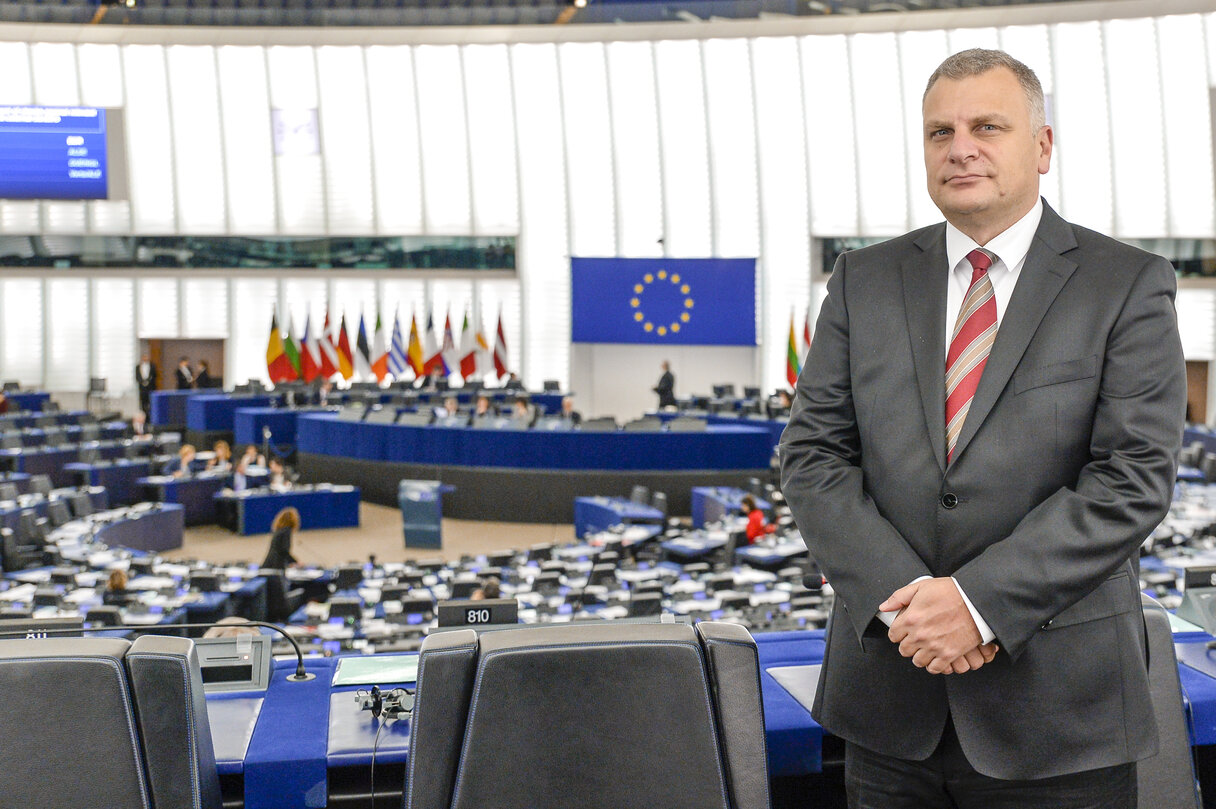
[(1010, 246)]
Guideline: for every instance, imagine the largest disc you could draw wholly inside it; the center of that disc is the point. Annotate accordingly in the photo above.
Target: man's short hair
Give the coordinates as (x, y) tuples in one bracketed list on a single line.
[(975, 61)]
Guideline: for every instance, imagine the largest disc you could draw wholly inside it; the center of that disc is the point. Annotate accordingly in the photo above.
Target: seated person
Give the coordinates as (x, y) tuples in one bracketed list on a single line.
[(140, 429), (281, 477), (179, 467), (512, 382), (569, 414), (325, 392), (778, 405), (221, 461), (249, 458), (116, 594), (449, 410), (757, 526), (431, 380), (490, 588), (482, 409), (522, 411)]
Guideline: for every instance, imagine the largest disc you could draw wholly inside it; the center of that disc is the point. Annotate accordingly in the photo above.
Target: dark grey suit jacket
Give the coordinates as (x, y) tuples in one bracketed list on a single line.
[(1065, 464)]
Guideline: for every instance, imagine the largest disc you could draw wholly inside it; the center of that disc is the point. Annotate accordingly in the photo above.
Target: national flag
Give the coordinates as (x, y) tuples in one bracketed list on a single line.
[(345, 360), (485, 358), (277, 363), (379, 352), (468, 350), (310, 352), (363, 360), (431, 350), (413, 353), (329, 350), (291, 348), (396, 349), (792, 365), (500, 349), (806, 334), (451, 358)]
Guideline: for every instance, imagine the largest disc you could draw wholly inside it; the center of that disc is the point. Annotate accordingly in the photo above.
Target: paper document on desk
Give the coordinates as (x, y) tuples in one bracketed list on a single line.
[(376, 670)]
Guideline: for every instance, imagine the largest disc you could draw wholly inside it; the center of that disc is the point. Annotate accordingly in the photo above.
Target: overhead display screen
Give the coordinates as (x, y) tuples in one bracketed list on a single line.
[(54, 153)]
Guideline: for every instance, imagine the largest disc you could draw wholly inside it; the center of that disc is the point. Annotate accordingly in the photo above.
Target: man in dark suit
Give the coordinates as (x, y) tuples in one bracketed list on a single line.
[(980, 441), (666, 387), (183, 374), (146, 378)]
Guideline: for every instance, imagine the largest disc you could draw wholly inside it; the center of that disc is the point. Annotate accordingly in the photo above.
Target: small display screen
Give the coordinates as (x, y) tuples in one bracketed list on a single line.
[(53, 153), (228, 674)]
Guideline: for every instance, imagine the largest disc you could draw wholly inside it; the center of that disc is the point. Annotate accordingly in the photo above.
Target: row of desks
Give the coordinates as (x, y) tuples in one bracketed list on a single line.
[(286, 741)]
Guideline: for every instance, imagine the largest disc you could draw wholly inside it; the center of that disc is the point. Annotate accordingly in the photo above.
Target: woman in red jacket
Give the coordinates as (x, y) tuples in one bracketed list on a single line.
[(756, 525)]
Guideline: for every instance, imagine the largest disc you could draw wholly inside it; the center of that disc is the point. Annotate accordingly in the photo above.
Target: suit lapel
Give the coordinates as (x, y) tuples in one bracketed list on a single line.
[(924, 281), (1043, 276)]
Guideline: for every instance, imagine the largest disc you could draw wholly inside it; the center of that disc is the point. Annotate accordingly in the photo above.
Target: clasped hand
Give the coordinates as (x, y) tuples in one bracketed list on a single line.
[(935, 628)]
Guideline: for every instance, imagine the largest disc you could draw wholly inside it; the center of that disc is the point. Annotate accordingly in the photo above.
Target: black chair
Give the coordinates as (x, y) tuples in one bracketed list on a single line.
[(1167, 780), (521, 718), (81, 503), (41, 484), (57, 512), (205, 581), (605, 424), (640, 495), (104, 616), (140, 702), (348, 577), (8, 491), (346, 608), (658, 500)]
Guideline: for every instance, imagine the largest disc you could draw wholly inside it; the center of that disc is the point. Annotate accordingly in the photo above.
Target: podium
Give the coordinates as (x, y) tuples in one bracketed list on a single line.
[(421, 503)]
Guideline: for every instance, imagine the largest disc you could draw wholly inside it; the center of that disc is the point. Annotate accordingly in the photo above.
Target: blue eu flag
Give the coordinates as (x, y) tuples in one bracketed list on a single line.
[(664, 301)]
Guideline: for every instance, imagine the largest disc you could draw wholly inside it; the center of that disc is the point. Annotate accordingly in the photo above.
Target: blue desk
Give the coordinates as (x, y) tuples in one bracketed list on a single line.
[(692, 547), (249, 421), (771, 555), (734, 447), (156, 530), (10, 516), (29, 400), (595, 514), (712, 503), (207, 412), (120, 478), (169, 407), (51, 460), (196, 494), (326, 507)]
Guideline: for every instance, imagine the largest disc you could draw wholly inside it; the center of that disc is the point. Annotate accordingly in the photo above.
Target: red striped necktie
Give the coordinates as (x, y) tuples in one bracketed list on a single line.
[(974, 333)]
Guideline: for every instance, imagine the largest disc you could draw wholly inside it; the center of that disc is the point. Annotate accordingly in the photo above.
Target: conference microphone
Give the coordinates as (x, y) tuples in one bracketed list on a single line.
[(31, 632), (812, 577)]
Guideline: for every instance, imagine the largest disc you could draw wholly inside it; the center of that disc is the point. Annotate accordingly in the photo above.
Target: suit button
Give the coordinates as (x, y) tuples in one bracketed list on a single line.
[(949, 500)]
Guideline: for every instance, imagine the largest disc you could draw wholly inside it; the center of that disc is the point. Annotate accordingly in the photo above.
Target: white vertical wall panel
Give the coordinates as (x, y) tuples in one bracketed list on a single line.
[(55, 84), (248, 141), (303, 297), (1209, 27), (920, 52), (962, 39), (635, 138), (730, 117), (158, 307), (445, 147), (1187, 109), (1082, 133), (253, 302), (114, 326), (101, 86), (394, 134), (346, 140), (1197, 314), (21, 330), (67, 367), (684, 148), (206, 311), (785, 266), (299, 170), (495, 186), (544, 269), (588, 147), (830, 139), (149, 140), (354, 296), (197, 154), (877, 101), (1136, 128), (17, 216)]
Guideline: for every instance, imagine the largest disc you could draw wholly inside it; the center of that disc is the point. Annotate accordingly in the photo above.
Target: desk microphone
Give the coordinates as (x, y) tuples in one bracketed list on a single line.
[(300, 676), (812, 577)]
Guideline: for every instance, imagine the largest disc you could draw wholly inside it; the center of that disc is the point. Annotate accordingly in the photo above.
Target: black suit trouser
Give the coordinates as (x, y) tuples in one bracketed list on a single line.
[(946, 780)]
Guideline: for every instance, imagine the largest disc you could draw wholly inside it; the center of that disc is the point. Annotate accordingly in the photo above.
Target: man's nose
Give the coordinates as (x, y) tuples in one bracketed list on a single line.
[(963, 147)]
